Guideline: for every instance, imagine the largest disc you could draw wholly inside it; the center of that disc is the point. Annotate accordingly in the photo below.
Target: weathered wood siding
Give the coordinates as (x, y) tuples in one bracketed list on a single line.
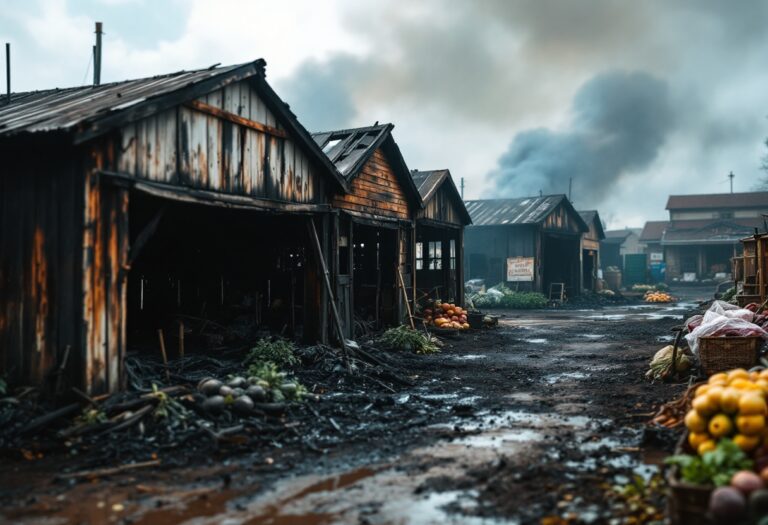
[(561, 220), (375, 191), (441, 207), (228, 141), (40, 232)]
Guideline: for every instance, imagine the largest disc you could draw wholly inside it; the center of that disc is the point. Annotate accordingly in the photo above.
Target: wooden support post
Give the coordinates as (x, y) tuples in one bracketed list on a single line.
[(324, 267), (181, 338), (405, 296), (165, 355)]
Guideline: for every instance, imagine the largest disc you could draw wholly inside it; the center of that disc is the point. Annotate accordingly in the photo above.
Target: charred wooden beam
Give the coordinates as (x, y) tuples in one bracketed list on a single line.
[(237, 119)]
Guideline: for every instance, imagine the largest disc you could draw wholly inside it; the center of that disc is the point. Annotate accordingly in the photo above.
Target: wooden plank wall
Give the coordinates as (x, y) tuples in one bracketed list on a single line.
[(441, 207), (561, 219), (40, 230), (375, 191), (193, 147)]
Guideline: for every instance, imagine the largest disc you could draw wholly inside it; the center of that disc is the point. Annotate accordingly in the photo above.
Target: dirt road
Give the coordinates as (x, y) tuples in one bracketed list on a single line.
[(532, 420)]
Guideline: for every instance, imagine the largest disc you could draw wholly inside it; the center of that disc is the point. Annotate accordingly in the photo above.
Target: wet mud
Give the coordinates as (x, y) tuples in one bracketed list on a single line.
[(511, 425)]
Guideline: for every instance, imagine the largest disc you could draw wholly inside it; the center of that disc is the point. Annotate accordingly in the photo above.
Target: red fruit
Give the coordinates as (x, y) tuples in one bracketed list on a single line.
[(746, 481), (454, 318)]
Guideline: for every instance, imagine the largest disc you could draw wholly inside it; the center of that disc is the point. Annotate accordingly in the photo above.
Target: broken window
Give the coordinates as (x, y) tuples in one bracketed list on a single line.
[(452, 252), (419, 255), (435, 255)]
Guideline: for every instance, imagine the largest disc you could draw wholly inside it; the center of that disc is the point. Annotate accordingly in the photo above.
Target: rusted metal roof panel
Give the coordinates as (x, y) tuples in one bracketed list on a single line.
[(501, 212), (348, 149), (429, 183), (66, 109)]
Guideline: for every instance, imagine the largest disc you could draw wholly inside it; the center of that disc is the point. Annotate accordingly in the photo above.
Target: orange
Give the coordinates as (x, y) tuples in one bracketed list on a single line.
[(750, 425), (718, 378), (703, 405), (735, 373), (707, 446), (695, 422), (721, 426), (746, 443), (695, 439), (752, 403), (714, 394), (729, 400), (700, 391)]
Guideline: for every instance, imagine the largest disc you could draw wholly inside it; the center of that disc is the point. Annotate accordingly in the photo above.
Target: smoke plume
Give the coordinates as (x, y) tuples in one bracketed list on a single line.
[(619, 122)]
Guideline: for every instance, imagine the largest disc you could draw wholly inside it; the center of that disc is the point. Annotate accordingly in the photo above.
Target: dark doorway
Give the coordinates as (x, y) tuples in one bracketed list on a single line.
[(374, 280), (560, 263)]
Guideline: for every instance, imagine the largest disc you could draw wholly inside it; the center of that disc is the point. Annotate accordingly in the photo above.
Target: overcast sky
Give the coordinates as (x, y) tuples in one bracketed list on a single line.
[(631, 100)]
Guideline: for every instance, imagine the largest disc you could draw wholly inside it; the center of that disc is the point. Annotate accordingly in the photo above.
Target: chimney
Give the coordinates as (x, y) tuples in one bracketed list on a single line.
[(97, 56)]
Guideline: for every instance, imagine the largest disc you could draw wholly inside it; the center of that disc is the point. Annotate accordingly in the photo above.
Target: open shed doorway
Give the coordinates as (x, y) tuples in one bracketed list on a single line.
[(437, 263), (224, 277), (374, 279), (560, 258), (589, 269)]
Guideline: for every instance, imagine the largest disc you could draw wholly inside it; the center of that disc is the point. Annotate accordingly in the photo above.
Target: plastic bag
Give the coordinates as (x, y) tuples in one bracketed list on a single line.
[(716, 325), (720, 307)]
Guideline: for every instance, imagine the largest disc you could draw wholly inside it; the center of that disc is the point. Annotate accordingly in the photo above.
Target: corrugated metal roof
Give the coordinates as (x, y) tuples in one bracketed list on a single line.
[(754, 199), (348, 149), (64, 109), (499, 212), (428, 181), (593, 217)]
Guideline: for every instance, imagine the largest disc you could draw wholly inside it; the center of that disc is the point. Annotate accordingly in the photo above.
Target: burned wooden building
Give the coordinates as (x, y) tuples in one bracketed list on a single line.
[(126, 208), (439, 261), (374, 226), (527, 243), (590, 249)]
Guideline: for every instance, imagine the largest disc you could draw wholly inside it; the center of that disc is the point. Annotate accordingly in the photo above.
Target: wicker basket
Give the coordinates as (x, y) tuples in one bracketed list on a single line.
[(687, 504), (718, 354)]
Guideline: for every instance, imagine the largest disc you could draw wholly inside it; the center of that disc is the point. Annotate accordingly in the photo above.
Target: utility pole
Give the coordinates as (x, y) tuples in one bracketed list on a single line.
[(731, 176), (8, 69), (462, 188), (97, 56)]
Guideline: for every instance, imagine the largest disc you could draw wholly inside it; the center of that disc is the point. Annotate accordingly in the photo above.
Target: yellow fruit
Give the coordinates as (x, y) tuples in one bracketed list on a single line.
[(714, 394), (697, 438), (751, 425), (746, 443), (736, 373), (763, 374), (708, 446), (704, 406), (700, 391), (729, 400), (694, 422), (741, 383), (763, 384), (717, 378), (751, 403), (720, 426), (754, 376)]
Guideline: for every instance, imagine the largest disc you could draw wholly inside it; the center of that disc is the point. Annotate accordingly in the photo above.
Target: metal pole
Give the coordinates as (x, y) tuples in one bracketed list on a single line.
[(8, 69), (97, 57)]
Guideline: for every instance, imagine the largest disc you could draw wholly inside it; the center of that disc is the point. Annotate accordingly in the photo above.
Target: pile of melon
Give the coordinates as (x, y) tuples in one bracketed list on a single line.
[(446, 316)]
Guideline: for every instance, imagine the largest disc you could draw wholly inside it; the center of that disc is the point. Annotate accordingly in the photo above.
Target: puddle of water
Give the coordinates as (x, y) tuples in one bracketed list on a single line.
[(431, 510), (535, 341), (592, 336), (557, 378), (503, 439), (469, 357), (438, 397), (469, 400), (402, 399), (666, 339)]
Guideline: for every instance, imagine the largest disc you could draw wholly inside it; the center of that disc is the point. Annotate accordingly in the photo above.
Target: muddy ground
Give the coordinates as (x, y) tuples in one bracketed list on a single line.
[(533, 420)]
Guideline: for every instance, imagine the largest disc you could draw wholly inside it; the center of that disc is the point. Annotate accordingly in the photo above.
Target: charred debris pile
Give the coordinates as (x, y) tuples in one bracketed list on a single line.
[(247, 397)]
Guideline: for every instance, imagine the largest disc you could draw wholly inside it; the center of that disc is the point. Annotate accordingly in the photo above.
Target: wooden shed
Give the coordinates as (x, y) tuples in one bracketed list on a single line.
[(127, 207), (527, 243), (590, 249), (440, 238), (374, 226)]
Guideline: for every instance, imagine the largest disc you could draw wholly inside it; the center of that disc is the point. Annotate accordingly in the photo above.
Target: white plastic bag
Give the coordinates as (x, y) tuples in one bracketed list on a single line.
[(715, 323)]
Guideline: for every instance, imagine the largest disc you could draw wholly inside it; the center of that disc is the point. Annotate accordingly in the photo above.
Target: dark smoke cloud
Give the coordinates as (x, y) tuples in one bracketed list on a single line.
[(619, 122), (317, 92)]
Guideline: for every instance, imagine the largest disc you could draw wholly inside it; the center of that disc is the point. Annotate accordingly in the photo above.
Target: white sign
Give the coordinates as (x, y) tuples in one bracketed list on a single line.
[(657, 256), (520, 269)]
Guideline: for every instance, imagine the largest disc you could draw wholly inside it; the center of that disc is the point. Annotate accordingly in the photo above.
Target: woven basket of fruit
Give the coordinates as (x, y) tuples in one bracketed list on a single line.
[(688, 502), (718, 354)]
